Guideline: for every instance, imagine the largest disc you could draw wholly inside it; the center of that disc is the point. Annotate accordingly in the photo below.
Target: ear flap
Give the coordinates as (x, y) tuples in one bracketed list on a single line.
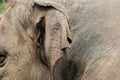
[(57, 35), (48, 3), (57, 32)]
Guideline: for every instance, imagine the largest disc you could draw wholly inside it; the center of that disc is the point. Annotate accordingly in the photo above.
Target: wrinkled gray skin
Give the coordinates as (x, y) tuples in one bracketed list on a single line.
[(93, 55)]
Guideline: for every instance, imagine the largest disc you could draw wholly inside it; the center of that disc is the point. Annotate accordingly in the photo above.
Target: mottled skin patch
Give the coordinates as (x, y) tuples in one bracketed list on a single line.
[(93, 54)]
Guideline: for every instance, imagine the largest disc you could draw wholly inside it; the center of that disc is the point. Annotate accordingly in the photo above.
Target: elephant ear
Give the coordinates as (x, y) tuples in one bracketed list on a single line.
[(57, 35), (48, 3)]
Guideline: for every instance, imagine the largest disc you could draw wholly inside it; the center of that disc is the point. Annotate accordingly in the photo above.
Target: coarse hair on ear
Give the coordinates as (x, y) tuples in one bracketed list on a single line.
[(55, 35)]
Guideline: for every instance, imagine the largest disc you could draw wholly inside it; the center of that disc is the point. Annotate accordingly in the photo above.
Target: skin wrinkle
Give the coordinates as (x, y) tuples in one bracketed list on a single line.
[(94, 52), (19, 56), (37, 72)]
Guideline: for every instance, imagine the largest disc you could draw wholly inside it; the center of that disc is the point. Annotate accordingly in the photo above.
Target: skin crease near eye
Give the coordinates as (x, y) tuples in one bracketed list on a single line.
[(3, 58)]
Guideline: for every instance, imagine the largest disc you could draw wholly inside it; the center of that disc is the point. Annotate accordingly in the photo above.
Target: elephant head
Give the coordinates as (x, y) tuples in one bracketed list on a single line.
[(34, 35)]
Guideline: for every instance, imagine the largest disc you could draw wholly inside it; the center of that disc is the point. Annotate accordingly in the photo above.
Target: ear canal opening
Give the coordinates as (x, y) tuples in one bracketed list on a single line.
[(41, 41)]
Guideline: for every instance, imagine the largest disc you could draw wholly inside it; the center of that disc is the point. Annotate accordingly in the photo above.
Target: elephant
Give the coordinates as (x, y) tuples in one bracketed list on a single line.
[(60, 40)]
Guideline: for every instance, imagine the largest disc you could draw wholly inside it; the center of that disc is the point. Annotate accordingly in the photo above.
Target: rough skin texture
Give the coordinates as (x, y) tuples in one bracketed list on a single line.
[(94, 53)]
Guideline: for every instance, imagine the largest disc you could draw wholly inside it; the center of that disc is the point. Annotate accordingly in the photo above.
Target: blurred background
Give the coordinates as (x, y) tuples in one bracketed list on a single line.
[(2, 6)]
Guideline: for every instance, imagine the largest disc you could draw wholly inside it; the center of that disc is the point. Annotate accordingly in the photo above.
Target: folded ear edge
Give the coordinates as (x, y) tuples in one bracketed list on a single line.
[(52, 4)]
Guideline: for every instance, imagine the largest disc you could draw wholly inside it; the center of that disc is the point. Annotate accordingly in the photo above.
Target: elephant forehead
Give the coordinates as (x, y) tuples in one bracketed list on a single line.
[(14, 43), (8, 40), (10, 37)]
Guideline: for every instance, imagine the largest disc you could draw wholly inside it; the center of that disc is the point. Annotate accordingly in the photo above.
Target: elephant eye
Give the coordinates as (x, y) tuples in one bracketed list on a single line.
[(3, 57)]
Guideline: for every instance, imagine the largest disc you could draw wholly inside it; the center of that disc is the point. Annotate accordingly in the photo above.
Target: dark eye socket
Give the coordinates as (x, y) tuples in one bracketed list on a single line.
[(3, 57)]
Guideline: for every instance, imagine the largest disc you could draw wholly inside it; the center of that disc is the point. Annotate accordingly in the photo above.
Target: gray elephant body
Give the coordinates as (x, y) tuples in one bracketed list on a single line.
[(93, 53), (95, 39)]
